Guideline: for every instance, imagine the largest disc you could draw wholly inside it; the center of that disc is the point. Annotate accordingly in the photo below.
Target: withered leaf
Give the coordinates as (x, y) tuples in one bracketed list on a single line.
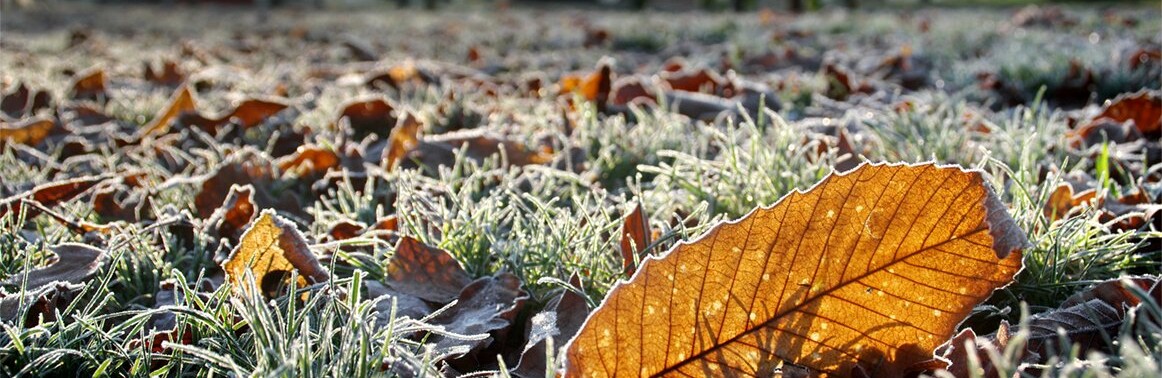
[(1143, 107), (248, 114), (560, 320), (403, 138), (230, 219), (89, 85), (441, 150), (1089, 320), (308, 160), (867, 271), (49, 195), (271, 248), (428, 273), (74, 263), (30, 131), (169, 75), (42, 303), (369, 117), (405, 305), (15, 103), (182, 101), (635, 237), (487, 305), (594, 87)]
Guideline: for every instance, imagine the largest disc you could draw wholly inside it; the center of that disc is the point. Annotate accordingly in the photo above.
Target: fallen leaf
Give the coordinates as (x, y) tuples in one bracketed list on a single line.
[(702, 80), (15, 103), (74, 263), (237, 210), (635, 236), (169, 75), (42, 304), (119, 202), (1089, 320), (560, 320), (441, 150), (594, 87), (404, 137), (248, 114), (30, 131), (486, 306), (49, 195), (308, 160), (1143, 107), (247, 168), (405, 305), (631, 89), (182, 101), (869, 270), (271, 248), (369, 117), (89, 85), (428, 273)]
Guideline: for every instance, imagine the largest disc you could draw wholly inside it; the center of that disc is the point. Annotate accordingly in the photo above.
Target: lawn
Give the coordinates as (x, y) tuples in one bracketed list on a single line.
[(193, 191)]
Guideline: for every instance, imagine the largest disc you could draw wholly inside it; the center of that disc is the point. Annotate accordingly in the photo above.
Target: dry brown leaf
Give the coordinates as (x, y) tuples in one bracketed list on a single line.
[(702, 80), (1089, 320), (30, 132), (369, 117), (49, 195), (403, 138), (182, 101), (237, 210), (486, 306), (635, 237), (169, 75), (247, 167), (271, 248), (74, 263), (441, 151), (560, 320), (594, 87), (21, 102), (428, 273), (89, 85), (248, 114), (405, 305), (1144, 108), (42, 304), (308, 160), (869, 270), (630, 89)]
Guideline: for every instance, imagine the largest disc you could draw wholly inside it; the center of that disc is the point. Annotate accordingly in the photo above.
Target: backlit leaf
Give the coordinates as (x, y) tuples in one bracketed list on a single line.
[(30, 131), (635, 236), (271, 248), (867, 271), (182, 101)]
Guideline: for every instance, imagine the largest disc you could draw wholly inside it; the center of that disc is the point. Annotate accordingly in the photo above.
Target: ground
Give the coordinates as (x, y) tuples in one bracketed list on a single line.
[(517, 140)]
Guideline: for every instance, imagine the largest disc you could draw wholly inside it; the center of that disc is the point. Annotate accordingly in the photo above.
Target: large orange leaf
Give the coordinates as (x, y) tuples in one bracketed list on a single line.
[(869, 270)]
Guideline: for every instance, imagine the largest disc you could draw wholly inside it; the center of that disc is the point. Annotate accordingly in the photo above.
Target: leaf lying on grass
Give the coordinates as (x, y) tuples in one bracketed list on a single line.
[(74, 263), (271, 248), (428, 273), (49, 195), (867, 272), (1088, 321), (51, 287)]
